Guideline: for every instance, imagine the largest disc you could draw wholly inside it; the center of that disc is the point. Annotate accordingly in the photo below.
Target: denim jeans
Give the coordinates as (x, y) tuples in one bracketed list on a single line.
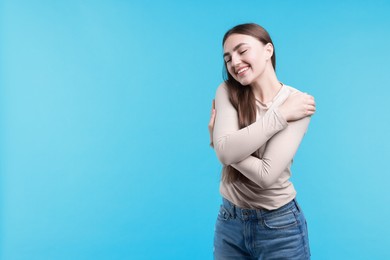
[(261, 234)]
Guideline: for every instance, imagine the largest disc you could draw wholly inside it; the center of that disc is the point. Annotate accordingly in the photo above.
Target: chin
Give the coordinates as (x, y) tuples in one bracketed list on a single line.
[(245, 82)]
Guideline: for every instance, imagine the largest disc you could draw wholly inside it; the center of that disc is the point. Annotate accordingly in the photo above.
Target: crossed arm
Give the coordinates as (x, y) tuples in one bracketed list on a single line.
[(234, 146), (278, 154)]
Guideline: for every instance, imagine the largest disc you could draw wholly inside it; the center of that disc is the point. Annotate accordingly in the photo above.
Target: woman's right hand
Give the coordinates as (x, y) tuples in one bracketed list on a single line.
[(297, 106), (211, 123)]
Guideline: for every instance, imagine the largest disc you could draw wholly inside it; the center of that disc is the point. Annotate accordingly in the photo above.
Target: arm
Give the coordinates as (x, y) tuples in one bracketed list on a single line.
[(232, 144), (279, 152)]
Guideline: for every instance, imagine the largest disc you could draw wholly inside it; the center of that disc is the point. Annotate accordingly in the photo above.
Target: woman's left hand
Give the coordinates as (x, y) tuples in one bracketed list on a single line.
[(211, 123)]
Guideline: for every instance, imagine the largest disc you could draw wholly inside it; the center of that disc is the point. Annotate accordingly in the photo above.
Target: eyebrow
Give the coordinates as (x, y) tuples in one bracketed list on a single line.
[(235, 48)]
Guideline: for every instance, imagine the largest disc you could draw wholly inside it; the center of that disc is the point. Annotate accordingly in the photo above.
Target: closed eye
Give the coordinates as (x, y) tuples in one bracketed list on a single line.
[(242, 52)]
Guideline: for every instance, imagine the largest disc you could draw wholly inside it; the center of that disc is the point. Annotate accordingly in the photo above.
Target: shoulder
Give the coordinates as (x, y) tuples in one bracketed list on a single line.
[(222, 99), (288, 90), (222, 91), (291, 90), (302, 124), (222, 88), (285, 92)]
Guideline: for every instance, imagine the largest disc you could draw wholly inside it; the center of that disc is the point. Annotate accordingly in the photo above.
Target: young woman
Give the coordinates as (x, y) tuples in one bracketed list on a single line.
[(256, 128)]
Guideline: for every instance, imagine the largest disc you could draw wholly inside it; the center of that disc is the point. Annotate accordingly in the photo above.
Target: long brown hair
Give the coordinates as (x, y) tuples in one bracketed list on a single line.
[(242, 97)]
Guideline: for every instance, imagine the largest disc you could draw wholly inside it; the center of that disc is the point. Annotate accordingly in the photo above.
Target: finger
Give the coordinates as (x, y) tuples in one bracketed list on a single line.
[(310, 106), (311, 109), (309, 112), (212, 118), (213, 108), (311, 102)]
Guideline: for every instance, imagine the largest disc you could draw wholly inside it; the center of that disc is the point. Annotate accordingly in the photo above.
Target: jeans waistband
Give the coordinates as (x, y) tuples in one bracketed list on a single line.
[(246, 214)]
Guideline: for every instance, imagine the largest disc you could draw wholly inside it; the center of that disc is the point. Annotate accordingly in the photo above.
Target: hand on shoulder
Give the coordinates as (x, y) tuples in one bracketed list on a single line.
[(297, 106)]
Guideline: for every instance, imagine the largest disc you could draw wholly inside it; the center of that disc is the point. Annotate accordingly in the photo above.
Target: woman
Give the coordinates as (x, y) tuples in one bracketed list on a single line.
[(256, 128)]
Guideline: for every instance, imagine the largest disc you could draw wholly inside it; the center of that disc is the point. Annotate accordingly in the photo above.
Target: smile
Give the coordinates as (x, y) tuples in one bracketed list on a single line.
[(241, 71)]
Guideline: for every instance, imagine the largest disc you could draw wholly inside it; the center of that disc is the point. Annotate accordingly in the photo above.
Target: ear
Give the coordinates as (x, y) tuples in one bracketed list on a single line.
[(269, 50)]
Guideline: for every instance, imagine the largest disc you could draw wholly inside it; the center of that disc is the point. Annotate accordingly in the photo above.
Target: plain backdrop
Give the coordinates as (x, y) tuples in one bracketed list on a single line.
[(104, 108)]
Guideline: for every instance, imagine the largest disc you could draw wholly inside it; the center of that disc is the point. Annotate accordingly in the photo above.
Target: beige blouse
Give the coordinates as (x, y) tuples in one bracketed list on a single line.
[(274, 142)]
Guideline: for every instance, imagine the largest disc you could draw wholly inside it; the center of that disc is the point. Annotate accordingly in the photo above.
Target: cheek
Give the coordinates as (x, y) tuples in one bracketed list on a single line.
[(259, 65), (231, 72)]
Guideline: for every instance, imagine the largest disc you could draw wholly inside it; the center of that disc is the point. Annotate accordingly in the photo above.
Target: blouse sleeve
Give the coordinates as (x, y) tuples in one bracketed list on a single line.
[(279, 152), (231, 144)]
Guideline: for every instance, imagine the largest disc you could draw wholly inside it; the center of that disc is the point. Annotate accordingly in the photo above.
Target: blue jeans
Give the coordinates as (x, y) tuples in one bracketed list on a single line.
[(261, 234)]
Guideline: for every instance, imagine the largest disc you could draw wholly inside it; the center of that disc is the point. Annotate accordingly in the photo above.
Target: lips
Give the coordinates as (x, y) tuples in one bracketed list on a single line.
[(241, 71)]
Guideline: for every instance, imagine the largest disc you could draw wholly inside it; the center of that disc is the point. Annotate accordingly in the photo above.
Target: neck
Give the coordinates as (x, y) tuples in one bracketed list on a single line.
[(266, 86)]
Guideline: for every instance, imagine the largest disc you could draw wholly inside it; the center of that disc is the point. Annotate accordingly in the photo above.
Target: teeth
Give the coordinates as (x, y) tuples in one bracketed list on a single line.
[(242, 70)]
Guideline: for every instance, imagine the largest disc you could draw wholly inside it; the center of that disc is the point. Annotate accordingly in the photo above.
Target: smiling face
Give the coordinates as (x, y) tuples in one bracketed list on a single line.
[(246, 58)]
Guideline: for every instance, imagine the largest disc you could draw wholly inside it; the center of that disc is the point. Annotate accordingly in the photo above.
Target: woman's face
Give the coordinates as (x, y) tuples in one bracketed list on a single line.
[(246, 57)]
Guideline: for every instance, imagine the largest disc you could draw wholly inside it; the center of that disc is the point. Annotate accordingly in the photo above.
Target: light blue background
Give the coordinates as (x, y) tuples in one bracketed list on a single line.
[(104, 112)]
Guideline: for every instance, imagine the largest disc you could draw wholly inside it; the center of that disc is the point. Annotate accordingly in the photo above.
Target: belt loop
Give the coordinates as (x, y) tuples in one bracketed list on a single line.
[(258, 213), (230, 207), (233, 210)]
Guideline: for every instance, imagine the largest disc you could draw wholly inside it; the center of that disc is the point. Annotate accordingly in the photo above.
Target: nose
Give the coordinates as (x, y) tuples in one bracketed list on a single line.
[(235, 60)]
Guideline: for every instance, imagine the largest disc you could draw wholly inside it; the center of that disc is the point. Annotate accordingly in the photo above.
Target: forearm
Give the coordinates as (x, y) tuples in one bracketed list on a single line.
[(233, 144), (277, 156)]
